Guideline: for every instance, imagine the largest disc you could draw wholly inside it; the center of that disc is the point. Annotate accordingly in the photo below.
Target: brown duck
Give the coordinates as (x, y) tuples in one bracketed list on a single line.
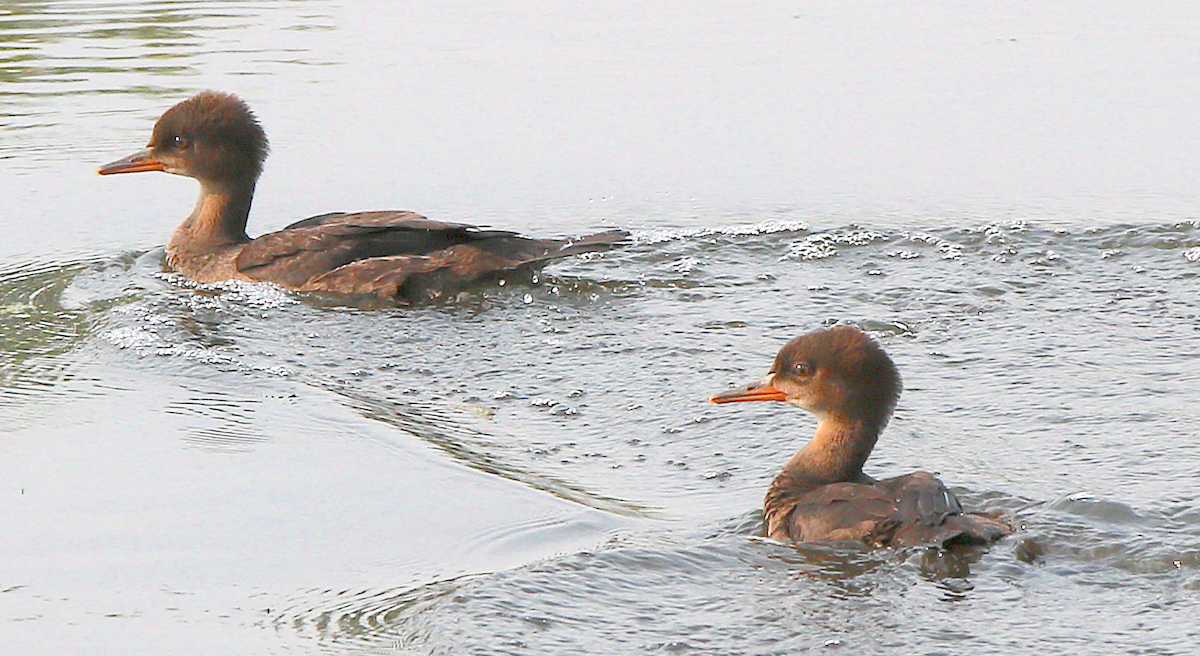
[(846, 379), (215, 138)]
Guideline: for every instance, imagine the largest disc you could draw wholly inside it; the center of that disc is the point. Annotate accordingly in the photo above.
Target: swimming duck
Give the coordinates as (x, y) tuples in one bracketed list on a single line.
[(847, 380), (215, 138)]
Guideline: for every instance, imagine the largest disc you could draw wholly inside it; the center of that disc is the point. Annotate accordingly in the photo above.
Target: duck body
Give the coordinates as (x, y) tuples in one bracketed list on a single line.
[(846, 379), (387, 254), (904, 511), (215, 138)]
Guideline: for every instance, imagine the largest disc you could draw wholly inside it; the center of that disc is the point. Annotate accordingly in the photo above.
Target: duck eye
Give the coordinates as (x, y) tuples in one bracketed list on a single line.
[(177, 142), (802, 369)]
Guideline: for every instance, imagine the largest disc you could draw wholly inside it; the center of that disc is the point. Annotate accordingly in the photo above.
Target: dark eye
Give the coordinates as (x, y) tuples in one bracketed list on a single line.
[(802, 369), (177, 142)]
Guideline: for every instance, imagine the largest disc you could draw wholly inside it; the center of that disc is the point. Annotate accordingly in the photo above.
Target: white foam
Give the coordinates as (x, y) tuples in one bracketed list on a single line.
[(819, 247), (263, 295), (949, 250), (145, 339), (641, 237)]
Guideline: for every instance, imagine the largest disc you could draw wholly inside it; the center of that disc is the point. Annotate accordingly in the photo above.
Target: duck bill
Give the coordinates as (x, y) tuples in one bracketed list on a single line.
[(759, 390), (140, 161)]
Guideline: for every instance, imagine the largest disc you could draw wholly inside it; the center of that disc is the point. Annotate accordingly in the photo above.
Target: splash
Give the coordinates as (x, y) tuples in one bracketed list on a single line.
[(646, 237), (824, 245), (262, 295)]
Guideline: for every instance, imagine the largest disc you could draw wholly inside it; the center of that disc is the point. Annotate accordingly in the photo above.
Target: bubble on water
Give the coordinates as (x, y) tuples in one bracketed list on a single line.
[(151, 335), (253, 294), (819, 247), (642, 237), (948, 250)]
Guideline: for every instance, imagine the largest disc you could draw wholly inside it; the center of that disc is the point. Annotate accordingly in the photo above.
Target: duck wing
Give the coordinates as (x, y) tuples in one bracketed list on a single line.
[(837, 511), (317, 245), (910, 510), (927, 513), (371, 252)]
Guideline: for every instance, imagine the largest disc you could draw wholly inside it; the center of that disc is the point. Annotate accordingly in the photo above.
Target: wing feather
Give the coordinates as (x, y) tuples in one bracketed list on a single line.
[(347, 253), (910, 510)]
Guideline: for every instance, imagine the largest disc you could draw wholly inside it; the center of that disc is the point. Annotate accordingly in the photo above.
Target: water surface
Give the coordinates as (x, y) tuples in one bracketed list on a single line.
[(1004, 197)]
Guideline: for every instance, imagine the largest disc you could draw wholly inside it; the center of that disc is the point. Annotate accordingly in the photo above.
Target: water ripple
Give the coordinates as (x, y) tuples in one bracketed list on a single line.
[(40, 328), (1036, 361)]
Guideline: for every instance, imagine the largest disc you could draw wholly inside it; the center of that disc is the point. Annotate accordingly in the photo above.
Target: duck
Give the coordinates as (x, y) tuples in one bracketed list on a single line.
[(400, 256), (845, 378)]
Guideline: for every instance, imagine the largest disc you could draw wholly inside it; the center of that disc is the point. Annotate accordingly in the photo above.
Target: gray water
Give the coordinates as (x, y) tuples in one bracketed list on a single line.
[(1004, 196)]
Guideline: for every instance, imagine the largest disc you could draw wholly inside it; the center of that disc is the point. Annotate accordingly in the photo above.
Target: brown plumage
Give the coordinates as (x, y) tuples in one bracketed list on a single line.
[(215, 138), (846, 379)]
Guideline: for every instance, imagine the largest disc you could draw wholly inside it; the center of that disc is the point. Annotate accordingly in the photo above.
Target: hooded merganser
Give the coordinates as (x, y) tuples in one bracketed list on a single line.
[(846, 379), (215, 138)]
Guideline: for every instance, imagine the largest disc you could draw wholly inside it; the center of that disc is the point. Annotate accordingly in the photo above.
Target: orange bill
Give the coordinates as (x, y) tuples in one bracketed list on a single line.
[(142, 160), (761, 390)]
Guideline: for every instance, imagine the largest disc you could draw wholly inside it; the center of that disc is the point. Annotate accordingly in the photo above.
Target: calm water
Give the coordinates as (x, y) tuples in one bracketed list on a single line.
[(1004, 196)]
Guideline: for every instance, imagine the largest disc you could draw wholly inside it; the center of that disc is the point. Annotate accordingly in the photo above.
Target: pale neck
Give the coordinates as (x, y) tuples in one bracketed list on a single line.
[(219, 218), (836, 453)]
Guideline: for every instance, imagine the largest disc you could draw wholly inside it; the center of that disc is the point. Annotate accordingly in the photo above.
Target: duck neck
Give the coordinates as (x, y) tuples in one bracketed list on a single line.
[(219, 218), (835, 454)]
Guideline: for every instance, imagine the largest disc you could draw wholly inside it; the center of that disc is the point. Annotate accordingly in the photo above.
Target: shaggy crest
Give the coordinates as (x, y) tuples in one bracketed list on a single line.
[(219, 120), (848, 355)]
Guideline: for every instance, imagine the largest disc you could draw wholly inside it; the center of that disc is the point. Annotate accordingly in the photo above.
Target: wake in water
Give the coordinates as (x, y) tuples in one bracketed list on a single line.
[(1046, 369)]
